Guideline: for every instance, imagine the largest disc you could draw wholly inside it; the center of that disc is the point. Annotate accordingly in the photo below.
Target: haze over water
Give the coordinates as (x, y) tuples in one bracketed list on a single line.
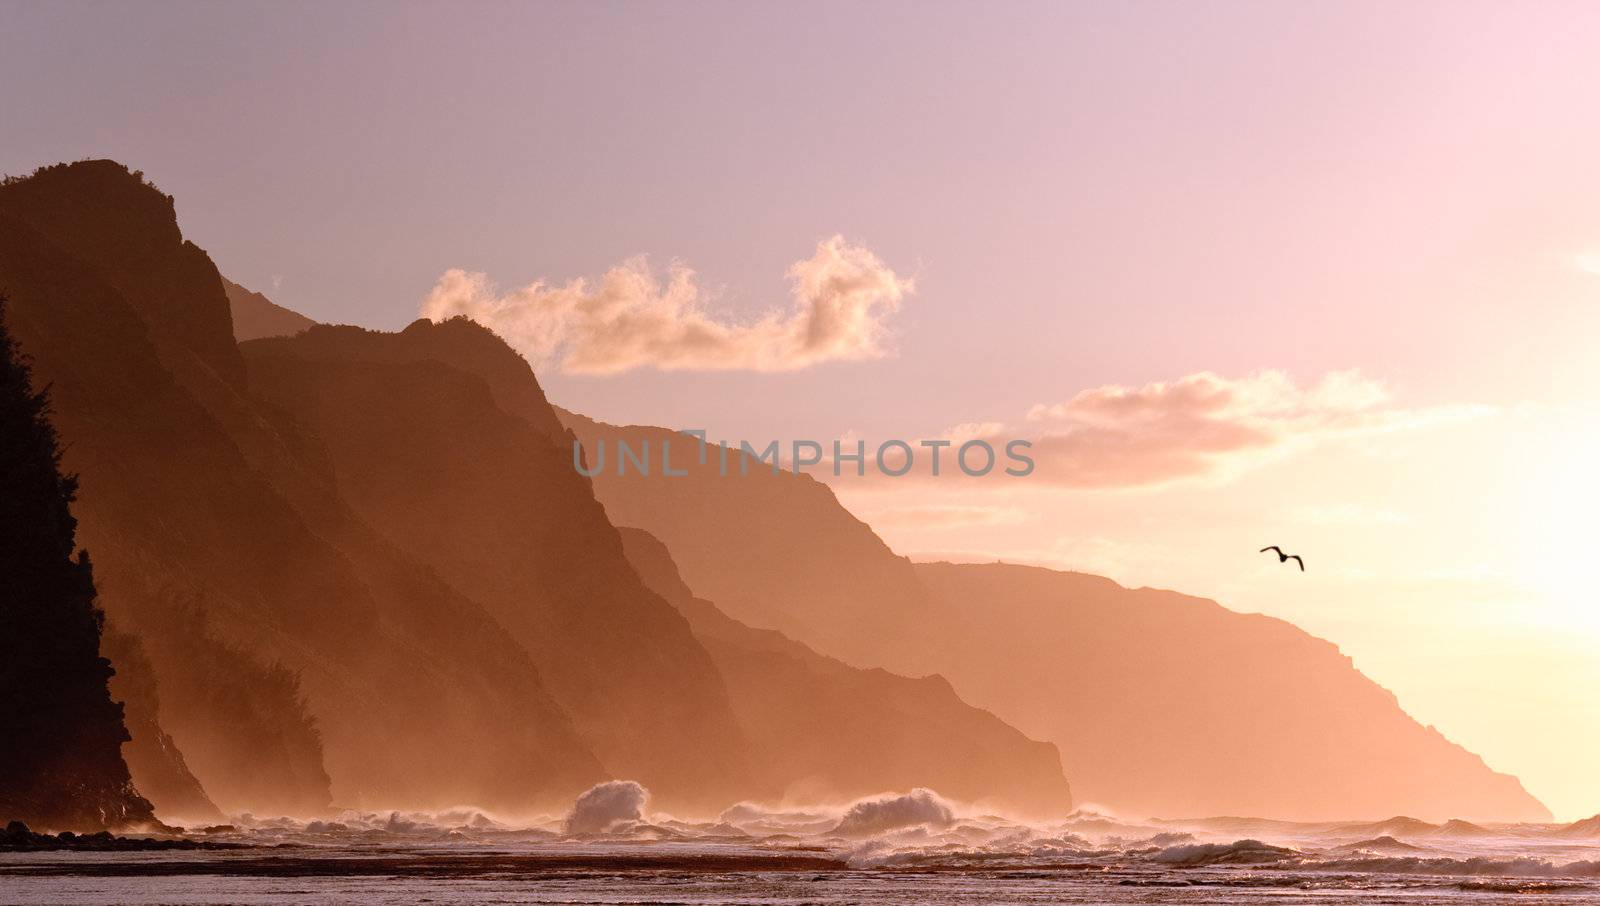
[(886, 850)]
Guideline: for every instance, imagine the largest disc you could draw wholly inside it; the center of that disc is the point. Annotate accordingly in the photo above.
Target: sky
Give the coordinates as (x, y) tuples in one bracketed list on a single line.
[(1319, 275)]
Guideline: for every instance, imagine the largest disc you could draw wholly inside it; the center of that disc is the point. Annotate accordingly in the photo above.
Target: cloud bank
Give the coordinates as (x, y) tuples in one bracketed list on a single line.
[(1201, 426), (842, 299)]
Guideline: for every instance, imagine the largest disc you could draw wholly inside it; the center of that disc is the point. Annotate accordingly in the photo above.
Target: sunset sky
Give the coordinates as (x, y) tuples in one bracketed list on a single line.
[(1318, 275)]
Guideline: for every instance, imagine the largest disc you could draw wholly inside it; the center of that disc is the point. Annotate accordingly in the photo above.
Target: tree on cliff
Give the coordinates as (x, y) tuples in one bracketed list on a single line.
[(61, 735)]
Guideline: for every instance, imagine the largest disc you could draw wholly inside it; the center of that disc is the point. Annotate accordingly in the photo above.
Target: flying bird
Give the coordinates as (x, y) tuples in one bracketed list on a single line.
[(1283, 557)]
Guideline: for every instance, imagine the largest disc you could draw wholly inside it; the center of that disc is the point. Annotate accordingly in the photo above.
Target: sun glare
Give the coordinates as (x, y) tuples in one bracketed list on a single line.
[(1558, 550)]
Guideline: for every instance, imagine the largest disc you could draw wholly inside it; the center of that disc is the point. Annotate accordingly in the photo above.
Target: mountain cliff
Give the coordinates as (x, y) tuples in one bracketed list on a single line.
[(255, 316), (337, 560), (1196, 709), (359, 568), (826, 730), (427, 454), (463, 462), (774, 550), (61, 732), (154, 759), (198, 494), (1160, 703)]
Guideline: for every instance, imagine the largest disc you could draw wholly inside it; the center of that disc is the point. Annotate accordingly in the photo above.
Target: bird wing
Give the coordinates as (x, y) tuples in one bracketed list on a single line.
[(1296, 558), (1272, 548)]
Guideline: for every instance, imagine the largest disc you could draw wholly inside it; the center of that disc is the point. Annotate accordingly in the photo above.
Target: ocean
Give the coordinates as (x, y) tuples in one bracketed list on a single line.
[(754, 855)]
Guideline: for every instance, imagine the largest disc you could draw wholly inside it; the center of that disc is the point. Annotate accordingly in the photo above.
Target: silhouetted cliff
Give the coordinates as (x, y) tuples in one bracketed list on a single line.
[(61, 734), (255, 316), (125, 234), (450, 472), (195, 492), (1196, 709), (1160, 703), (246, 724), (776, 551), (153, 756), (453, 449), (361, 570), (825, 730)]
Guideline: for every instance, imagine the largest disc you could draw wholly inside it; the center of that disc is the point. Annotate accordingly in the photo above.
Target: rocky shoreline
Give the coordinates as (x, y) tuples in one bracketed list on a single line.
[(17, 837)]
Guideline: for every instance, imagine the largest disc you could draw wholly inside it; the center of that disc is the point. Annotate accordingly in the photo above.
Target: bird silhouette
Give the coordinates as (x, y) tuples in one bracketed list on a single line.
[(1283, 557)]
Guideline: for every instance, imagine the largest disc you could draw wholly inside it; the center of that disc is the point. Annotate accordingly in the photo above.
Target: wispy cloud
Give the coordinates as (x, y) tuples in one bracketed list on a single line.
[(1201, 426), (842, 299)]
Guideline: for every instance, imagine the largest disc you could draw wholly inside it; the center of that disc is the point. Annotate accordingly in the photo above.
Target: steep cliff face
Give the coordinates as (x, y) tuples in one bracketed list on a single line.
[(823, 730), (444, 468), (245, 723), (255, 316), (1160, 703), (1168, 704), (60, 732), (125, 233), (446, 440), (459, 344), (196, 493), (776, 551), (153, 757), (344, 553)]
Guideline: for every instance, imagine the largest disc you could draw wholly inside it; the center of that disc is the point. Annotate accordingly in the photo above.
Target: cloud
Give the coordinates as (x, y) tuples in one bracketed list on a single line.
[(842, 300), (1204, 425), (1198, 427)]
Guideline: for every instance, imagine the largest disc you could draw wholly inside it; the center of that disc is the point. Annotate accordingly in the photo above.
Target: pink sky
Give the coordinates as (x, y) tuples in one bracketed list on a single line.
[(1082, 196)]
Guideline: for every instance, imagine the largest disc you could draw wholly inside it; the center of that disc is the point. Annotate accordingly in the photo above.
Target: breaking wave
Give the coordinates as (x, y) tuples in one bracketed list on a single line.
[(921, 830), (608, 806), (874, 816), (1239, 852)]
